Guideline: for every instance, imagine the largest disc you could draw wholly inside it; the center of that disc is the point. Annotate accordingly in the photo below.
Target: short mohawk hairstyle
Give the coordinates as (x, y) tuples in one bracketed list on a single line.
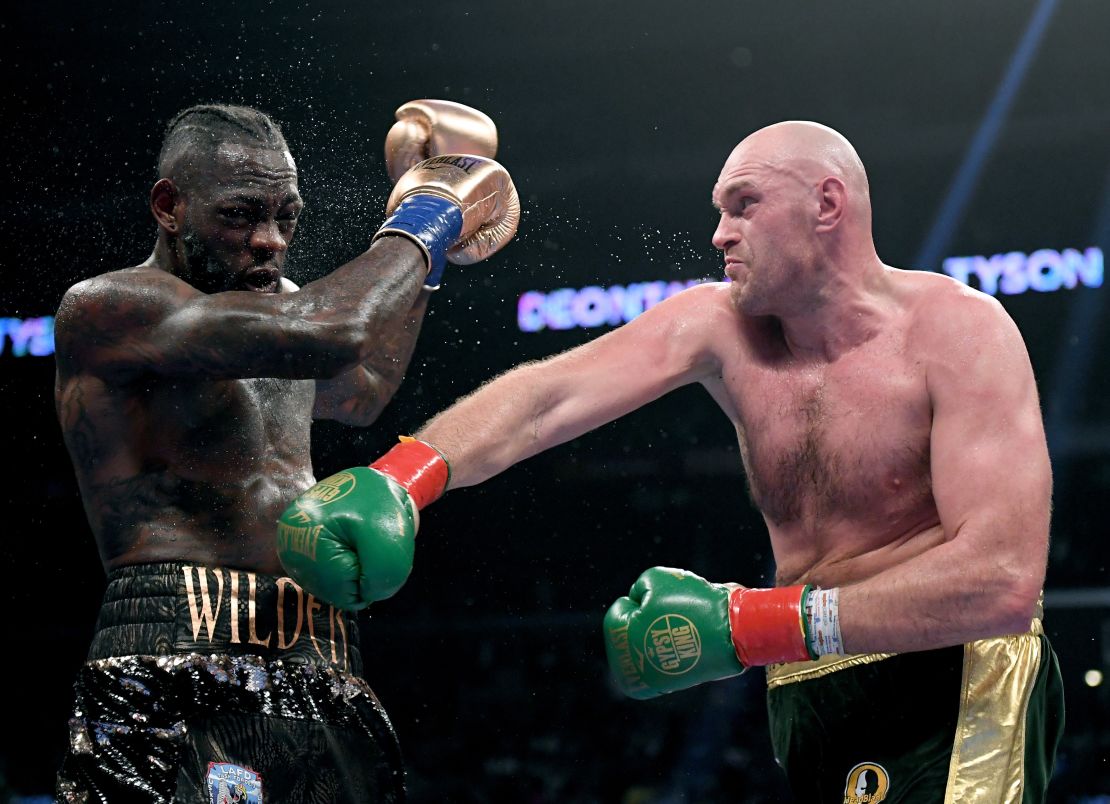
[(202, 128)]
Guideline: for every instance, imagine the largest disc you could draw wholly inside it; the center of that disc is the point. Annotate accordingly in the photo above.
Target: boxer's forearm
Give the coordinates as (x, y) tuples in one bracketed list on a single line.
[(387, 364), (953, 593), (359, 395), (461, 209), (500, 424), (363, 305)]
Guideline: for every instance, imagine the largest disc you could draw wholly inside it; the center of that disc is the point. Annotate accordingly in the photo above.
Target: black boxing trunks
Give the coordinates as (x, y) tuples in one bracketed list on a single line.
[(212, 685), (972, 723)]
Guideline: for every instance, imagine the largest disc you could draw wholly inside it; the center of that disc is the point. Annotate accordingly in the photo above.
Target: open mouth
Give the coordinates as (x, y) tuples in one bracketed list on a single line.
[(262, 279)]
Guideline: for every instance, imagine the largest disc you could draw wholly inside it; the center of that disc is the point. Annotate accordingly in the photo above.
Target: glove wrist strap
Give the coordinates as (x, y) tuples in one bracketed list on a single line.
[(822, 616), (433, 223), (769, 625), (418, 467)]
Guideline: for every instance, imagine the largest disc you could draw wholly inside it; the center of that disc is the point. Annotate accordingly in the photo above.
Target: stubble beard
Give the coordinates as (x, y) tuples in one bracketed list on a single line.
[(743, 295), (204, 271)]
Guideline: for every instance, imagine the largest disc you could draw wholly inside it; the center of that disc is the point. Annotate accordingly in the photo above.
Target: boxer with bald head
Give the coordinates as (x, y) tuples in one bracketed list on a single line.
[(892, 439), (186, 389)]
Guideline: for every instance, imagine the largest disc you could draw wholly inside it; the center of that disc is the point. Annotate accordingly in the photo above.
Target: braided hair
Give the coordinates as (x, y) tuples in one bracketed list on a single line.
[(199, 130)]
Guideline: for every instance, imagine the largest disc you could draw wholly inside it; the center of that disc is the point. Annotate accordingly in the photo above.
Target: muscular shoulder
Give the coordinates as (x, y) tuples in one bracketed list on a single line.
[(101, 310), (703, 307), (130, 292), (680, 333), (960, 333), (947, 313), (698, 316)]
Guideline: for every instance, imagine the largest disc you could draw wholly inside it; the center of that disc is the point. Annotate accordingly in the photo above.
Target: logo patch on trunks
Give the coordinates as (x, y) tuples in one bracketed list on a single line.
[(672, 644), (233, 784), (867, 783)]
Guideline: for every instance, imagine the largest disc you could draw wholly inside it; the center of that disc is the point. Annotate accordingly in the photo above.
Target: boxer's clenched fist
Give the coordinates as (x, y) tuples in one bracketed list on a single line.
[(350, 539), (675, 629), (669, 633), (455, 207)]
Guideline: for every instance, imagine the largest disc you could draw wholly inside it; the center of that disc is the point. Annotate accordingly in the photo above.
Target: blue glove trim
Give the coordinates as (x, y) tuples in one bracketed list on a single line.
[(434, 222)]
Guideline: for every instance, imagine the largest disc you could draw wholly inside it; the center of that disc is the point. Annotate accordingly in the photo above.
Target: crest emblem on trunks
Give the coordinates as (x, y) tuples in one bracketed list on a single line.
[(233, 784), (867, 783)]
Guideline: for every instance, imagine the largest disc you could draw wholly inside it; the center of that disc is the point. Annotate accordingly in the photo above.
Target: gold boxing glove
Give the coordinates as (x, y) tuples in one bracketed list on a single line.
[(427, 128), (456, 207)]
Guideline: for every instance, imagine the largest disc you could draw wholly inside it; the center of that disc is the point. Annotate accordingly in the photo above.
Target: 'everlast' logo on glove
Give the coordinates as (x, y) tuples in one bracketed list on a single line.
[(621, 659), (305, 509), (291, 539), (463, 163)]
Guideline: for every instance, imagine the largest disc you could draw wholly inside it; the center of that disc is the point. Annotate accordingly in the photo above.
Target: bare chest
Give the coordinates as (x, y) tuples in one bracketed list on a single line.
[(233, 421), (847, 440)]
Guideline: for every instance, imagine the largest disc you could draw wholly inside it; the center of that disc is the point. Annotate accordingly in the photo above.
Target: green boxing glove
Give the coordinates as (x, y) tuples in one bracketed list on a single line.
[(349, 540), (675, 630)]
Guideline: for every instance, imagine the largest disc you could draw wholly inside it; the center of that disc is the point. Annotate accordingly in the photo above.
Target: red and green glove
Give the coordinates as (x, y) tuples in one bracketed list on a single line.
[(349, 540), (675, 630)]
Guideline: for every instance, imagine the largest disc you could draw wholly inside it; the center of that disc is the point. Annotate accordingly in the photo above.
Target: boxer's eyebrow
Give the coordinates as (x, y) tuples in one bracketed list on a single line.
[(737, 185), (260, 199), (731, 188)]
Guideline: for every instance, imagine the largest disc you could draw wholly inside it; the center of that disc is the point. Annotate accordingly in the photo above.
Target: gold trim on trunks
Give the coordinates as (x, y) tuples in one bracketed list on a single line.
[(793, 672), (988, 755)]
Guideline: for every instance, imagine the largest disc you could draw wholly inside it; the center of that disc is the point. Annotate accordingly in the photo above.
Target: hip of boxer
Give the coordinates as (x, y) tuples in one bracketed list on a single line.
[(974, 722), (207, 682)]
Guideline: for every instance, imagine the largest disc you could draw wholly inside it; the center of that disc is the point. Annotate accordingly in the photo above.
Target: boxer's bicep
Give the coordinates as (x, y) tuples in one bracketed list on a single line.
[(237, 335), (989, 459), (119, 326), (625, 369)]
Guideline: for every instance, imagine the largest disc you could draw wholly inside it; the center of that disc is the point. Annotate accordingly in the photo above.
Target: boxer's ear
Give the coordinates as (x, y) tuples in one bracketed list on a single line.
[(164, 200), (832, 197)]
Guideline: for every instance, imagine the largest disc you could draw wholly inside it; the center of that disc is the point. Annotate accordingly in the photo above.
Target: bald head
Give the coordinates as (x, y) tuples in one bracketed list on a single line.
[(806, 161), (805, 150), (795, 211)]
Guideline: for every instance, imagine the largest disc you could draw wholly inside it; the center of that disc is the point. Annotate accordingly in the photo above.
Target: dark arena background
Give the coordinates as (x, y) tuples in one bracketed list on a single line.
[(985, 129)]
